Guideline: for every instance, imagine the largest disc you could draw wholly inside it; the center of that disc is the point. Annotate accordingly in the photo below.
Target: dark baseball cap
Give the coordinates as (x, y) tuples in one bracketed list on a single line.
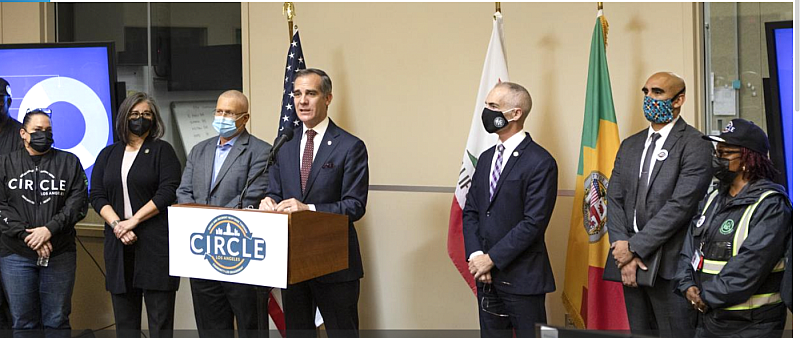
[(743, 133), (5, 88)]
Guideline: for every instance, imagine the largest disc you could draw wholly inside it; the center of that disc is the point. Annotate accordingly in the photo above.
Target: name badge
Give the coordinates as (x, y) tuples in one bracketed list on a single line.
[(697, 260)]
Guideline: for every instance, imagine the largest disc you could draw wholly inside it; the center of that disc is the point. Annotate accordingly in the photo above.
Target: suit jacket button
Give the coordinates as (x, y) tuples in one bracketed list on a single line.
[(488, 213)]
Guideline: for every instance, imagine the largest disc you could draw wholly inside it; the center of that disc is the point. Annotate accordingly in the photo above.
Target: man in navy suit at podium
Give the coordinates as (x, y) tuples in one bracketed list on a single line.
[(323, 169), (507, 210)]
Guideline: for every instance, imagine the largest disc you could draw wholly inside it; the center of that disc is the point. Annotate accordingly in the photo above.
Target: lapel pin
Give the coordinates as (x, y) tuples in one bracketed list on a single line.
[(516, 153), (147, 151), (662, 155), (701, 221), (329, 142)]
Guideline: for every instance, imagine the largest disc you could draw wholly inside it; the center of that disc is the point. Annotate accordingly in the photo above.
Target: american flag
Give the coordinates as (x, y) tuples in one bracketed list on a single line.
[(294, 63), (594, 191)]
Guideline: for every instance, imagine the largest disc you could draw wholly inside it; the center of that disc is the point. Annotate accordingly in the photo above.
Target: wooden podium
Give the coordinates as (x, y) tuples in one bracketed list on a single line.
[(254, 246)]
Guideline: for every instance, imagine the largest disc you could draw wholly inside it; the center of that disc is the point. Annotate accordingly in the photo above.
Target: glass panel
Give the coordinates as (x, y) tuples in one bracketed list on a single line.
[(736, 60), (195, 50)]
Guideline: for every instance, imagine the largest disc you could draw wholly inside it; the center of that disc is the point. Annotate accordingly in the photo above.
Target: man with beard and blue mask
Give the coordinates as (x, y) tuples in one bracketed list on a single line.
[(506, 213), (660, 174), (216, 172)]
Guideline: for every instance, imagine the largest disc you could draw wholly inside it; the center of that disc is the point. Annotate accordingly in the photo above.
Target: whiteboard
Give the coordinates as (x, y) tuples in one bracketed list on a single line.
[(194, 119)]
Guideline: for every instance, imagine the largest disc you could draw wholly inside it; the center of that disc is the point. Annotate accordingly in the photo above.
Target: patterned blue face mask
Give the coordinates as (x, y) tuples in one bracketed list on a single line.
[(659, 111)]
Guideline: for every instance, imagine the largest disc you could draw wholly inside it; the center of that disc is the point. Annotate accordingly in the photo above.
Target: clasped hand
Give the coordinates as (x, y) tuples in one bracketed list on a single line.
[(480, 267), (287, 205), (693, 296), (37, 237), (622, 254)]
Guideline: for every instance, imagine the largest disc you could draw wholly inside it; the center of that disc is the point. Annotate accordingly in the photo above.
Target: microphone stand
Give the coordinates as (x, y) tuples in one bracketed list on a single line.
[(270, 162)]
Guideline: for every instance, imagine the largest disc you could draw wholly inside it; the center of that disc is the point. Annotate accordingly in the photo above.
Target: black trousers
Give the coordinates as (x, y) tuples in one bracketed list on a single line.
[(764, 322), (217, 303), (658, 311), (504, 315), (160, 313), (337, 302), (5, 312)]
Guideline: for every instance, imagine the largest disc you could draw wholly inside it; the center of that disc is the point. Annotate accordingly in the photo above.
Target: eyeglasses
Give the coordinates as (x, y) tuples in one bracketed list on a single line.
[(490, 302), (135, 114), (726, 153), (228, 114), (45, 111)]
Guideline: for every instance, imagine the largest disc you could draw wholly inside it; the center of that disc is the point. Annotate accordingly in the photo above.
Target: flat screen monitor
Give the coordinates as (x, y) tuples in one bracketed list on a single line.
[(76, 81), (779, 98)]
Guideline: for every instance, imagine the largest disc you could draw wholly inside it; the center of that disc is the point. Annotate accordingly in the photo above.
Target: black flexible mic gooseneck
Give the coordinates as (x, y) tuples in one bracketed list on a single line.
[(284, 137)]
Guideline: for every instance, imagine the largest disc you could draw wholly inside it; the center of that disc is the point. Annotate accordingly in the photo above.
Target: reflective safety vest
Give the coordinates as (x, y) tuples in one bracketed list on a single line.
[(714, 267)]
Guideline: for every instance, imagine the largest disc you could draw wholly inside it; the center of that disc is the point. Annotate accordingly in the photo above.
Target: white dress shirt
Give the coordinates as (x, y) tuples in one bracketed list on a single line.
[(320, 128), (664, 132), (510, 145)]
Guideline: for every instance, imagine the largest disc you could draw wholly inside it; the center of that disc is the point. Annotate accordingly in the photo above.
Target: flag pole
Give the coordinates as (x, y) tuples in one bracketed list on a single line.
[(288, 10), (599, 6), (497, 7)]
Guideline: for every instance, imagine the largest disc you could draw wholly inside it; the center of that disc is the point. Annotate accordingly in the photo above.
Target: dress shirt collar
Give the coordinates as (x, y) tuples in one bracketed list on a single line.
[(231, 141), (512, 142), (320, 128), (664, 132)]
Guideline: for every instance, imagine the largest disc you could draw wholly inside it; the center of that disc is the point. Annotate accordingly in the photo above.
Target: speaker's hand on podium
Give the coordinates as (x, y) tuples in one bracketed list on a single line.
[(291, 205), (267, 204)]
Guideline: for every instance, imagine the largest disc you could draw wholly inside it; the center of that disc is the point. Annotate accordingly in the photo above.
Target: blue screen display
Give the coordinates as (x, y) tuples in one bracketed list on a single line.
[(783, 53), (74, 82)]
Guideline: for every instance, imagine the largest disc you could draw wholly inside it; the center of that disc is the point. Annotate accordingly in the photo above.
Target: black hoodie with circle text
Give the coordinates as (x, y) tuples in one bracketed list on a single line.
[(50, 191)]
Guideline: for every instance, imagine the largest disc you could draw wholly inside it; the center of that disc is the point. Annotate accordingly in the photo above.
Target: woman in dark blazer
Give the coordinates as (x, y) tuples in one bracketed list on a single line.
[(136, 246)]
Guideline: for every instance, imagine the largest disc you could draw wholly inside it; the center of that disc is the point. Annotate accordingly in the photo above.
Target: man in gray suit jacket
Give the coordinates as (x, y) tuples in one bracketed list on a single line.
[(216, 172), (660, 175)]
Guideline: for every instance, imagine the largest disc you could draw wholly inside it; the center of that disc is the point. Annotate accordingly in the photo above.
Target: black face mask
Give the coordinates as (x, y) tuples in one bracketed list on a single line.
[(493, 120), (722, 170), (139, 126), (4, 110), (41, 141)]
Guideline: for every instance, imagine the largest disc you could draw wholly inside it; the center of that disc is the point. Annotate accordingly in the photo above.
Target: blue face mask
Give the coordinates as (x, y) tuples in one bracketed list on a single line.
[(659, 111), (224, 126)]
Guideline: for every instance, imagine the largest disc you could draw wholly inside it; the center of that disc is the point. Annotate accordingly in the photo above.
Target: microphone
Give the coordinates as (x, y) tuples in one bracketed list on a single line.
[(284, 137)]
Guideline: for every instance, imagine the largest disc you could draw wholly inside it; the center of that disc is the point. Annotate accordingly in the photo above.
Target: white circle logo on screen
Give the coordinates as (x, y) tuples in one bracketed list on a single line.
[(67, 89)]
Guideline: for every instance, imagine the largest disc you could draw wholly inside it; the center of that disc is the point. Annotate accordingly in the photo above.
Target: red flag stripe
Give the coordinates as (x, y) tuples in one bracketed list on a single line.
[(455, 245), (276, 313)]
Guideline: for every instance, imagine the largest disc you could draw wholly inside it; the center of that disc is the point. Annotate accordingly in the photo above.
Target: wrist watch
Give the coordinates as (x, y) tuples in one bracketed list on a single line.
[(114, 224)]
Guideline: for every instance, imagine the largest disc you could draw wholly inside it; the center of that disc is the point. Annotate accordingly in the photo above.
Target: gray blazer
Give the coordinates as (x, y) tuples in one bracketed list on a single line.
[(677, 185), (247, 157)]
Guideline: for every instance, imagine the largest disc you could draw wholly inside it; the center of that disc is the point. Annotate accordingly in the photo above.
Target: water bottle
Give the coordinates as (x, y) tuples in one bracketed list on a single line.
[(43, 261)]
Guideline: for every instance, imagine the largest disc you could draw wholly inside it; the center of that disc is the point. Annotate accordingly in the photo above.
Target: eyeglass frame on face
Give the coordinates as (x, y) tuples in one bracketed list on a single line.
[(229, 114), (727, 151), (135, 114)]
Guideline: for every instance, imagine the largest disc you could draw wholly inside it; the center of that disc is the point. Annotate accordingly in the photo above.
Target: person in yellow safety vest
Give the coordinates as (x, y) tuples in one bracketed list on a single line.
[(732, 261)]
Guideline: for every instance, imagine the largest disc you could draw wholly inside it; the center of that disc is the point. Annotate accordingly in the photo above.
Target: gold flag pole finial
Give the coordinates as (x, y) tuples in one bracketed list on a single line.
[(603, 22), (497, 7), (289, 12)]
